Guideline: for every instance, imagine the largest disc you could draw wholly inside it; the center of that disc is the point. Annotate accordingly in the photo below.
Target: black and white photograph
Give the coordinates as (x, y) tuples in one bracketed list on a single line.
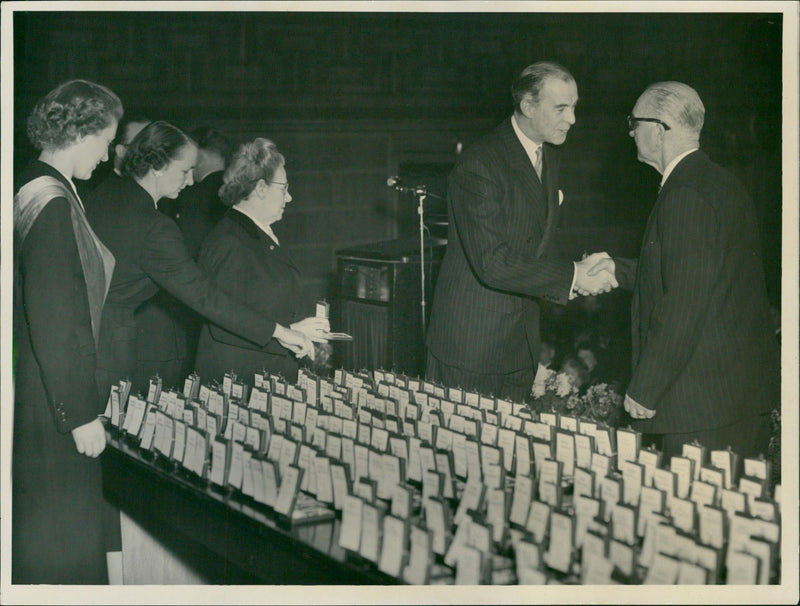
[(399, 302)]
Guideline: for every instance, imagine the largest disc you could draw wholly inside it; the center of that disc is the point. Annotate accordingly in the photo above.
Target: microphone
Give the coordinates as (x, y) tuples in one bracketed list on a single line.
[(418, 190)]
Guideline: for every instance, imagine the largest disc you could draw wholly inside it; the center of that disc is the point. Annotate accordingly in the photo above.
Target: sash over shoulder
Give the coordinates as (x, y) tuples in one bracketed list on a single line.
[(96, 260)]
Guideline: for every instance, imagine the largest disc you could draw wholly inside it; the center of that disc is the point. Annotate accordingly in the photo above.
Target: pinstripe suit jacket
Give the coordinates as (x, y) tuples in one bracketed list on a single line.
[(704, 352), (485, 314)]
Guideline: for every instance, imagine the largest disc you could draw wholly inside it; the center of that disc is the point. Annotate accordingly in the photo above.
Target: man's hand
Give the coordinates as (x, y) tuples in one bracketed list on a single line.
[(295, 341), (90, 438), (637, 411), (314, 328), (594, 275)]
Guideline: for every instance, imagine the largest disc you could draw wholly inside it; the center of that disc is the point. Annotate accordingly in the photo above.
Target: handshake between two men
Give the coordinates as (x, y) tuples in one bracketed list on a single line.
[(594, 274)]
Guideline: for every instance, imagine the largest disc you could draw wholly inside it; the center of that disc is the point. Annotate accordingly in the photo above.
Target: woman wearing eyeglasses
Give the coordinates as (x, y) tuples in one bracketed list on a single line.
[(243, 255), (151, 254)]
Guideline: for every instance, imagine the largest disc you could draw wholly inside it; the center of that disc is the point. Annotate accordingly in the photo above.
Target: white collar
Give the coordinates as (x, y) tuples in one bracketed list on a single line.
[(529, 144), (674, 163), (267, 229)]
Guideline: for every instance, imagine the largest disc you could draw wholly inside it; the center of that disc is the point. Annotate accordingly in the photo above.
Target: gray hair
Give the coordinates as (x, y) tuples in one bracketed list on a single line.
[(677, 104)]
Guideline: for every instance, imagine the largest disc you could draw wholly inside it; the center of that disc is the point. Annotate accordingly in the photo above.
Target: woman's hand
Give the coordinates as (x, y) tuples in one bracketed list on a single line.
[(295, 341), (90, 439), (314, 328)]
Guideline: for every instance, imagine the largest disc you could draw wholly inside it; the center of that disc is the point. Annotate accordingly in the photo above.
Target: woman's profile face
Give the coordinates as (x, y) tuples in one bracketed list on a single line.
[(276, 197), (91, 150), (178, 173)]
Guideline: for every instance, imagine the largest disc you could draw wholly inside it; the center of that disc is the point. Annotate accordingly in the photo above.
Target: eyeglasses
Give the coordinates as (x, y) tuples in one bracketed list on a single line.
[(632, 120), (285, 185)]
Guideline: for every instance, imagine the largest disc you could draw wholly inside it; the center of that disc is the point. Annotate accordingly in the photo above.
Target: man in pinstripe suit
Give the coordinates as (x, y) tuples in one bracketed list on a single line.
[(503, 205), (705, 358)]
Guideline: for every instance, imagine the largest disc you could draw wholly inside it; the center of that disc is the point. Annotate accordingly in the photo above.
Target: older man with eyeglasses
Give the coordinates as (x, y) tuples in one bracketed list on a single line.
[(705, 359)]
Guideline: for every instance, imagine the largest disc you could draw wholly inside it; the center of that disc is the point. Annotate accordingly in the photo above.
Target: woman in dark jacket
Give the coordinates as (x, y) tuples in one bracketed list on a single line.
[(151, 253), (244, 256), (62, 273)]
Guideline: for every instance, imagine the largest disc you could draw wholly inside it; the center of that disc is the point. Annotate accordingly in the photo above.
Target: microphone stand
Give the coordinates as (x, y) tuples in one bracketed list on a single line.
[(421, 193)]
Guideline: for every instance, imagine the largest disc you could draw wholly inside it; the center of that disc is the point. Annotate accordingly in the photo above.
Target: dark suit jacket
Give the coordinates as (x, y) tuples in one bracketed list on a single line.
[(167, 329), (246, 262), (57, 493), (150, 253), (704, 354), (485, 314)]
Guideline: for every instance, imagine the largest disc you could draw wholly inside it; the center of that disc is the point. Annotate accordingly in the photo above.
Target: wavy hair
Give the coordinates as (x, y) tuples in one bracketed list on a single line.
[(73, 109), (156, 145), (252, 162), (532, 78)]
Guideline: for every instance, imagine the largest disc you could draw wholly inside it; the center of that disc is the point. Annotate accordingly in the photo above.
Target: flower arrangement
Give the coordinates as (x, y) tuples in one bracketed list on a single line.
[(557, 392)]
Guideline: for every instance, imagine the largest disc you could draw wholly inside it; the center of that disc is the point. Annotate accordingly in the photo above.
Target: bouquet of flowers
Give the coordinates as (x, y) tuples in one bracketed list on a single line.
[(557, 392)]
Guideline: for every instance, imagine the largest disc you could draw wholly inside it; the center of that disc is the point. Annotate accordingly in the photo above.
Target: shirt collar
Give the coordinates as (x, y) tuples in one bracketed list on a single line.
[(674, 163), (267, 229), (529, 144)]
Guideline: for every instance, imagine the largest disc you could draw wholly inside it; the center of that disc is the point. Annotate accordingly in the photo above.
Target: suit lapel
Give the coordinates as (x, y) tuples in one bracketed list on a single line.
[(550, 191), (265, 244)]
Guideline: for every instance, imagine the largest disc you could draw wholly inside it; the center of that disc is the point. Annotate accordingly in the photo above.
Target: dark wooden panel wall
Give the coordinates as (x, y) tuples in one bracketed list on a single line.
[(349, 98)]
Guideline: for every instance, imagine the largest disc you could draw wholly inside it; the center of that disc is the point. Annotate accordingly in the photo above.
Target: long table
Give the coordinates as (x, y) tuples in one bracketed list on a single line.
[(228, 539)]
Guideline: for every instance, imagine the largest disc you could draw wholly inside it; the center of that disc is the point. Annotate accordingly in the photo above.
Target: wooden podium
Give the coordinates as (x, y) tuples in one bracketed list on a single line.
[(379, 303)]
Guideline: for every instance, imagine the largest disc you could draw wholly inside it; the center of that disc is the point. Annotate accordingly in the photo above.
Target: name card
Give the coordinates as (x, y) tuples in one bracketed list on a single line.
[(586, 510), (395, 537), (414, 460), (402, 498), (726, 461), (664, 570), (287, 495), (436, 520), (757, 468), (505, 442), (610, 494), (420, 556), (584, 483), (652, 501), (471, 499), (350, 529), (712, 526), (520, 503), (179, 447), (559, 554), (683, 468), (742, 568), (697, 454), (496, 513), (604, 441), (323, 478), (632, 476), (623, 524), (596, 569), (236, 472), (703, 493), (471, 567), (683, 514), (541, 452), (538, 520), (340, 477), (528, 561), (371, 524), (692, 574), (584, 446), (621, 555), (565, 452)]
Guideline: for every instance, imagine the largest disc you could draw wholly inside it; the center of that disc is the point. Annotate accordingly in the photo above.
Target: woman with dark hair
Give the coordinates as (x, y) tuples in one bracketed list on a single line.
[(62, 273), (151, 253), (243, 255)]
